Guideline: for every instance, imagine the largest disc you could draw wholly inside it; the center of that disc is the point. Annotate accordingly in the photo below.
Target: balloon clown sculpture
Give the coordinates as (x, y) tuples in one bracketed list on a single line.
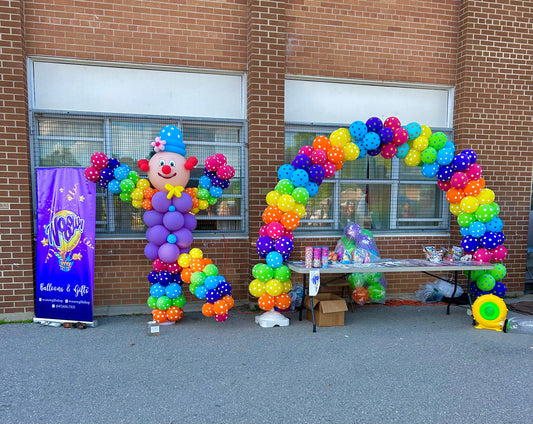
[(170, 216), (457, 173)]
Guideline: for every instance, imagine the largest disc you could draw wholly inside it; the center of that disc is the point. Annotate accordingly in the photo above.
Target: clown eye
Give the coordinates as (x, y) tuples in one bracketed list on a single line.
[(172, 163), (161, 162)]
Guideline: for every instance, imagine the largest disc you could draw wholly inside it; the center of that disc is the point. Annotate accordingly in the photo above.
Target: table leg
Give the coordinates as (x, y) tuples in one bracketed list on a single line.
[(455, 275), (303, 296), (313, 313)]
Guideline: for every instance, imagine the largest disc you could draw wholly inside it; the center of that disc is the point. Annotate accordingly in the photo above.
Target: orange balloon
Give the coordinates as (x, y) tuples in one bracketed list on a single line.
[(335, 154), (207, 261), (174, 313), (283, 301), (290, 220), (149, 192), (197, 264), (474, 187), (360, 295), (229, 301), (220, 307), (454, 195), (147, 204), (207, 309), (186, 275), (272, 214), (339, 165), (266, 302), (159, 315), (321, 143)]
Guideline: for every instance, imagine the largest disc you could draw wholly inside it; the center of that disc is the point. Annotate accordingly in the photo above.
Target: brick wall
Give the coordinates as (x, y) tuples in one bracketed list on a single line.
[(483, 46), (494, 110), (16, 258)]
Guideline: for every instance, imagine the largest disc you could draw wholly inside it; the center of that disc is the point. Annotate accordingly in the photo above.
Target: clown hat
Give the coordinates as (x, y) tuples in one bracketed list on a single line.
[(173, 139)]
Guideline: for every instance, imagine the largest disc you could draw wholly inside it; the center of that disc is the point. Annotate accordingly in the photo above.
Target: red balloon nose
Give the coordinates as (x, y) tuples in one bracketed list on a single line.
[(166, 169)]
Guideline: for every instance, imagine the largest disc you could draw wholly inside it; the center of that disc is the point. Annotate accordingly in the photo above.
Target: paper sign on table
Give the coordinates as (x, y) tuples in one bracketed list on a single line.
[(314, 282)]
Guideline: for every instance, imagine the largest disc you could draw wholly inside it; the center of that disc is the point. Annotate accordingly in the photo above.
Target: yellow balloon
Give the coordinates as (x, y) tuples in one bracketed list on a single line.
[(203, 204), (137, 194), (469, 204), (143, 183), (351, 151), (274, 287), (455, 209), (272, 198), (340, 137), (137, 204), (196, 253), (413, 158), (426, 131), (486, 196), (257, 288), (299, 210), (421, 143), (194, 211), (286, 202), (184, 260), (287, 286)]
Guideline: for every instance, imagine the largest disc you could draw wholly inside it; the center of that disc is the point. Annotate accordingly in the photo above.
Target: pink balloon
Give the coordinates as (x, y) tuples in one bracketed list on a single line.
[(173, 267), (400, 136), (305, 150), (392, 122), (221, 159), (329, 169), (482, 255), (389, 150), (226, 172), (459, 180), (211, 163), (275, 230), (158, 265), (500, 253), (263, 230), (318, 157), (474, 172), (99, 160), (444, 185), (221, 318), (92, 174)]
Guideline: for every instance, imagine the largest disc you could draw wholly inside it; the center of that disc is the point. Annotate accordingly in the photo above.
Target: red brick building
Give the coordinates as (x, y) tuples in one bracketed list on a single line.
[(468, 62)]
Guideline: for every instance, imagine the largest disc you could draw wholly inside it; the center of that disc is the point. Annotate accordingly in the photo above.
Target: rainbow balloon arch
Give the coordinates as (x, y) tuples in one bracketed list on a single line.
[(458, 174)]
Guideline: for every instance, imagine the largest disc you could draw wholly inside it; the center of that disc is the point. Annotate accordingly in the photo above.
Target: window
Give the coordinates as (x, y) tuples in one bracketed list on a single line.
[(379, 194), (70, 140)]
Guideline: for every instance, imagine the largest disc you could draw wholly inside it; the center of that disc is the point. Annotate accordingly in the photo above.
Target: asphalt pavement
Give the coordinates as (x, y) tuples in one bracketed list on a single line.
[(387, 364)]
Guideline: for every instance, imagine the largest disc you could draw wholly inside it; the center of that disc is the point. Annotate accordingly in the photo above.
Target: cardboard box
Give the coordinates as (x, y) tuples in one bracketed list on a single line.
[(329, 309)]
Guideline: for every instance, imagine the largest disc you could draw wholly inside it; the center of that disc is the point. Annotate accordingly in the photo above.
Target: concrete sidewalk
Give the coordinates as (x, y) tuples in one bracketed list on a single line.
[(404, 364)]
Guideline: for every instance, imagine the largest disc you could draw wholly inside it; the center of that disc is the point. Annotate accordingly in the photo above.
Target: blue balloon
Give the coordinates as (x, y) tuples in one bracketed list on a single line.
[(500, 238), (205, 182), (465, 231), (212, 295), (285, 171), (358, 129), (429, 170), (165, 278), (224, 288), (312, 189), (444, 156), (300, 178), (152, 277), (157, 290), (200, 292), (489, 240), (449, 145), (495, 224), (274, 259), (114, 186), (362, 150), (469, 244), (371, 141), (402, 151), (215, 192), (374, 152), (122, 172), (460, 162), (173, 290), (477, 229), (472, 155), (445, 173), (211, 282)]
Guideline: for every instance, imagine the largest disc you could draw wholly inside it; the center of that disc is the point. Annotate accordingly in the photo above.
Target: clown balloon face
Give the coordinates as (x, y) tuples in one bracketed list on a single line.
[(168, 168)]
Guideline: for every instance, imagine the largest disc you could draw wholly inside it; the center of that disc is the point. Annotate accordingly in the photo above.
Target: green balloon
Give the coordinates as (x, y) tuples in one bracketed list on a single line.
[(255, 270), (367, 233), (356, 280), (300, 195), (198, 277), (284, 186), (127, 185), (133, 176), (376, 292), (428, 155), (373, 278), (265, 273), (212, 200), (282, 273), (486, 282), (211, 270), (152, 302), (125, 197), (484, 213), (437, 140), (496, 208), (203, 194), (499, 272), (193, 286), (465, 219), (179, 301), (474, 275), (163, 303)]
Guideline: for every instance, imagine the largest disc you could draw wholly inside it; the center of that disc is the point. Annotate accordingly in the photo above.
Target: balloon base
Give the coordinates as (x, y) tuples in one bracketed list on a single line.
[(272, 318), (167, 323)]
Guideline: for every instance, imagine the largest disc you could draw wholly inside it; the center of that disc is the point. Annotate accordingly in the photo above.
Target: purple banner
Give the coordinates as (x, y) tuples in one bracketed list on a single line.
[(66, 218)]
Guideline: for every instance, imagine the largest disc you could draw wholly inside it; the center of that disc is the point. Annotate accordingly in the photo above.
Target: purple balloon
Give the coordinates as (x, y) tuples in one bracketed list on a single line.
[(264, 245), (316, 173), (365, 242), (472, 155), (157, 235), (189, 221), (301, 161), (182, 204), (168, 253), (150, 251), (284, 245), (173, 220), (469, 244), (152, 277), (152, 217), (184, 237), (386, 135), (352, 231), (160, 202)]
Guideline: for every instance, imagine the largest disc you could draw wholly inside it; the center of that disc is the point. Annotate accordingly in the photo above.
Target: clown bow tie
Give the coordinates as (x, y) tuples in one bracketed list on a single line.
[(173, 191)]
